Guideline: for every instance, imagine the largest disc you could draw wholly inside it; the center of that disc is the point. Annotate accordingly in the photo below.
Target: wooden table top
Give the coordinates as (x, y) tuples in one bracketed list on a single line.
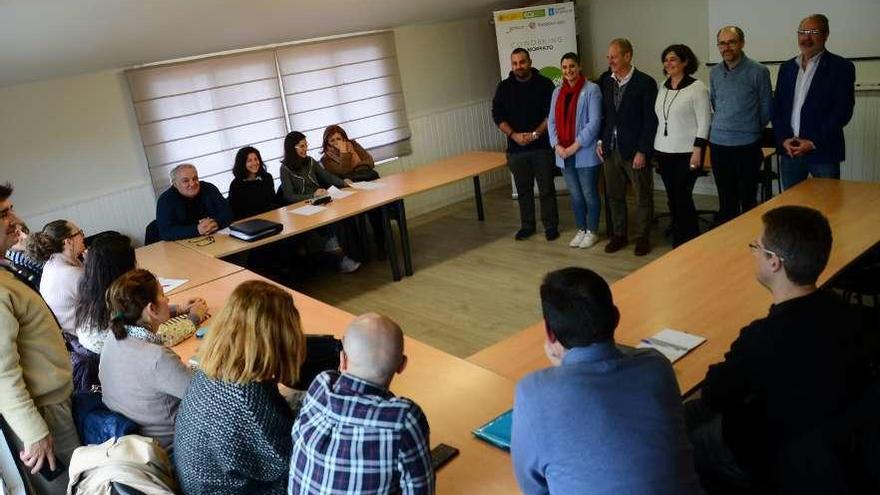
[(394, 187), (171, 260), (707, 286), (456, 396)]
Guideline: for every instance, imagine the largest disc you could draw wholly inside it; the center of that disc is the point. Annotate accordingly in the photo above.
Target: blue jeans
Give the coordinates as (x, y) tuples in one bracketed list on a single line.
[(583, 185), (794, 171)]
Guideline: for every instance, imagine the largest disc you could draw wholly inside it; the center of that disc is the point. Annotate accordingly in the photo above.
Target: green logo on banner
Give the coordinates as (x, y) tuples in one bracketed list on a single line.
[(552, 73), (531, 14)]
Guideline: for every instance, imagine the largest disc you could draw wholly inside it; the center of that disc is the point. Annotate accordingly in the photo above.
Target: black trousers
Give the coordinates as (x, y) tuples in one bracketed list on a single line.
[(679, 179), (736, 171), (527, 168)]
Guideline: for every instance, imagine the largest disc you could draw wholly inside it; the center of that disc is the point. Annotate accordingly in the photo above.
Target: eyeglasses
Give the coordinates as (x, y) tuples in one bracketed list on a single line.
[(810, 32), (755, 247), (202, 241), (725, 44)]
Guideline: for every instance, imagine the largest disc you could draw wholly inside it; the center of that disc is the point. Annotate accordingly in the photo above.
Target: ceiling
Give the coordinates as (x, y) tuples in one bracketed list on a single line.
[(43, 39)]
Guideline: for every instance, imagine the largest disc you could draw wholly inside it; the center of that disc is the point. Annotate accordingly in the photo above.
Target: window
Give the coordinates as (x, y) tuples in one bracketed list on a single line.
[(204, 111)]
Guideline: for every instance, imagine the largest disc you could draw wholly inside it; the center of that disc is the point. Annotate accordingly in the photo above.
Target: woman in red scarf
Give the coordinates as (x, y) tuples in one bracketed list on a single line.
[(573, 124)]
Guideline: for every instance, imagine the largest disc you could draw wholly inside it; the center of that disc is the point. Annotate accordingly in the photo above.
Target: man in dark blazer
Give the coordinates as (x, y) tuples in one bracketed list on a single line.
[(815, 95), (627, 139)]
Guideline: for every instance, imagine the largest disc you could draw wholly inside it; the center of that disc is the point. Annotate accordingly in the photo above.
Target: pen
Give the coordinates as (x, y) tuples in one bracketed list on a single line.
[(661, 343)]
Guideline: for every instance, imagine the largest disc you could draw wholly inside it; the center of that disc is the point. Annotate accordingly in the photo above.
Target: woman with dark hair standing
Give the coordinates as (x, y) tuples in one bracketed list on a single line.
[(60, 246), (573, 127), (684, 116), (345, 158), (253, 190), (142, 379), (304, 178)]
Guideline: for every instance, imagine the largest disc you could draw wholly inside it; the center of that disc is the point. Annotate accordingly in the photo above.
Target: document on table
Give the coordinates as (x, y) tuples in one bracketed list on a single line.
[(337, 193), (169, 284), (367, 186), (307, 210), (672, 343)]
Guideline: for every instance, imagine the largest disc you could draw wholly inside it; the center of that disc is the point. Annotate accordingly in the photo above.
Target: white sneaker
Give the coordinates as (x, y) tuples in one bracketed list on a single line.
[(590, 239), (578, 238), (348, 265), (331, 245)]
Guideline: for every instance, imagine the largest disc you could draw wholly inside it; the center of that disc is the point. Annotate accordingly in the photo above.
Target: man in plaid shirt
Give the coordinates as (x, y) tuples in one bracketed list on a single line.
[(353, 436)]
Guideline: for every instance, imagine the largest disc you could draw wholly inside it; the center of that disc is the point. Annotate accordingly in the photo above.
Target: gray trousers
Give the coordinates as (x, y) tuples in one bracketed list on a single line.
[(527, 168), (617, 172), (59, 418)]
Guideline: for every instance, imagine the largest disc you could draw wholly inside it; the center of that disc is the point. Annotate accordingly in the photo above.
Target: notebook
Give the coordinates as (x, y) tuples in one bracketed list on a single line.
[(672, 343), (497, 431), (251, 230)]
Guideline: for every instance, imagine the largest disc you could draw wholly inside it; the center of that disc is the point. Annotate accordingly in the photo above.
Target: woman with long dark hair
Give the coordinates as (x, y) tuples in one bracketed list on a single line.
[(302, 178), (253, 190)]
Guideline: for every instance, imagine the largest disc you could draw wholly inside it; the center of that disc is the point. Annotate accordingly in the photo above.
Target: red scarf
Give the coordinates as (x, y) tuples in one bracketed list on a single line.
[(565, 120)]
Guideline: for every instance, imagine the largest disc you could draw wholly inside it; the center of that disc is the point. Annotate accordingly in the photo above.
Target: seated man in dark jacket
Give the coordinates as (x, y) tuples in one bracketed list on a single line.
[(786, 376), (190, 208)]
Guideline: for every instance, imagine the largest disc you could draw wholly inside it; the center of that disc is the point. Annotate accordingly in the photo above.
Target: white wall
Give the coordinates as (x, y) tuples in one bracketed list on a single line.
[(72, 149), (68, 140)]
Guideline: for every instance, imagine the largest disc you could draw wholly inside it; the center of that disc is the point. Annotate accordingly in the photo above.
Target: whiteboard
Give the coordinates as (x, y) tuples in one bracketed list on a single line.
[(770, 26)]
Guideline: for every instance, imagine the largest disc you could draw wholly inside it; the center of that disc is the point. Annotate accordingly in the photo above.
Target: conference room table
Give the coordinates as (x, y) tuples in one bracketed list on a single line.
[(388, 195), (707, 286), (171, 260), (456, 396)]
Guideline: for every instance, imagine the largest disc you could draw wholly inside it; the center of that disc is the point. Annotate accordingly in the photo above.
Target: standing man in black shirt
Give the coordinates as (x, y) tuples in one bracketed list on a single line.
[(520, 109)]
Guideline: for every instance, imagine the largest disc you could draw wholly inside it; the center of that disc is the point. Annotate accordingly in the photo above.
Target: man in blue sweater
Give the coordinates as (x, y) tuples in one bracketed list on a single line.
[(815, 96), (190, 208), (742, 100), (599, 421)]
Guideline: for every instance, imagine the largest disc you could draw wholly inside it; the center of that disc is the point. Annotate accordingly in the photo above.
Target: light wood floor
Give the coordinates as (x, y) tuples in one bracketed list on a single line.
[(474, 284)]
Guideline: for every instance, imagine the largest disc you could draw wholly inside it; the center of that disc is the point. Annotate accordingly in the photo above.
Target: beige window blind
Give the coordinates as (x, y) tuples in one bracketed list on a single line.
[(203, 111), (353, 82)]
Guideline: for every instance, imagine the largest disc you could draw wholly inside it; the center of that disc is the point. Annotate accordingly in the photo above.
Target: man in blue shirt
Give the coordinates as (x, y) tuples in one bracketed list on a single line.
[(742, 100), (599, 421), (190, 208)]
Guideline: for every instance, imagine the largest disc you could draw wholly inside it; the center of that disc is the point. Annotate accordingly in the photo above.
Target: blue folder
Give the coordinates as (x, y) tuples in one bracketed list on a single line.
[(497, 431)]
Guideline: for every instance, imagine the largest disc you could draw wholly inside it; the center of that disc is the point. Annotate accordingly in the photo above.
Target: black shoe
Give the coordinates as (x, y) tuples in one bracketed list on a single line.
[(615, 244), (523, 234), (551, 234), (643, 246)]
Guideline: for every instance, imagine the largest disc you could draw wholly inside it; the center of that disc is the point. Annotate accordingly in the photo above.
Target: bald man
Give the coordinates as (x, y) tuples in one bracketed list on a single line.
[(352, 434)]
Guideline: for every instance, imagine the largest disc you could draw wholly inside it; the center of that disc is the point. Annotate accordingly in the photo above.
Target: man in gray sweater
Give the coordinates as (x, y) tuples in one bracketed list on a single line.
[(741, 98)]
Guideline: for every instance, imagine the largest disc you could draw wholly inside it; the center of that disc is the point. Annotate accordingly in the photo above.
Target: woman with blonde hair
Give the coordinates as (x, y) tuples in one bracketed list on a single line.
[(233, 428)]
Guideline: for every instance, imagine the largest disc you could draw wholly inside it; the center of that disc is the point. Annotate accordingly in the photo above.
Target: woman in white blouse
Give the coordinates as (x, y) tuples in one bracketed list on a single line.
[(684, 116), (60, 245)]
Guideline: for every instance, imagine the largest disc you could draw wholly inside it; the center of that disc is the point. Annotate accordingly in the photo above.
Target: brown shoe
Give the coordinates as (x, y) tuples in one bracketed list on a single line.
[(615, 244), (643, 246)]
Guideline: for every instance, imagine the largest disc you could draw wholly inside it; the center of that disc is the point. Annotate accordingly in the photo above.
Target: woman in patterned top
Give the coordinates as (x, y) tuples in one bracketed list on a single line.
[(29, 268), (233, 428)]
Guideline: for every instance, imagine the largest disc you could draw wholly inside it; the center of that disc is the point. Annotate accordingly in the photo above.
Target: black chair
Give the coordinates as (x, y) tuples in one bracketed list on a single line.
[(767, 175), (151, 234), (90, 239)]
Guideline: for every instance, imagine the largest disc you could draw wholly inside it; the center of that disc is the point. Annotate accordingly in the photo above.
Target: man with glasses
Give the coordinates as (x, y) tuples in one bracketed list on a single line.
[(35, 373), (742, 100), (815, 96), (190, 208), (786, 375)]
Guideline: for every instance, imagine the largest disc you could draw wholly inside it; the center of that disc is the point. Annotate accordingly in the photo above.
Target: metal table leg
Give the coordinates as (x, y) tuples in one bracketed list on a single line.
[(390, 244), (404, 239), (478, 195)]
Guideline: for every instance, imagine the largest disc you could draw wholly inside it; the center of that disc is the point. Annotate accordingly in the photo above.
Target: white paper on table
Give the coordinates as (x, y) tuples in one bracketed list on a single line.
[(337, 193), (223, 231), (169, 284), (672, 343), (307, 210), (367, 186)]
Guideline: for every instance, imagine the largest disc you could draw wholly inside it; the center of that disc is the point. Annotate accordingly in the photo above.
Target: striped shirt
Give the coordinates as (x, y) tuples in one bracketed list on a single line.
[(353, 437)]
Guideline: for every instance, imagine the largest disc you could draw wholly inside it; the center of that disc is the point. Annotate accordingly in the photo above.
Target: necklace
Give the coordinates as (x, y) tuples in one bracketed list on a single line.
[(667, 109)]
